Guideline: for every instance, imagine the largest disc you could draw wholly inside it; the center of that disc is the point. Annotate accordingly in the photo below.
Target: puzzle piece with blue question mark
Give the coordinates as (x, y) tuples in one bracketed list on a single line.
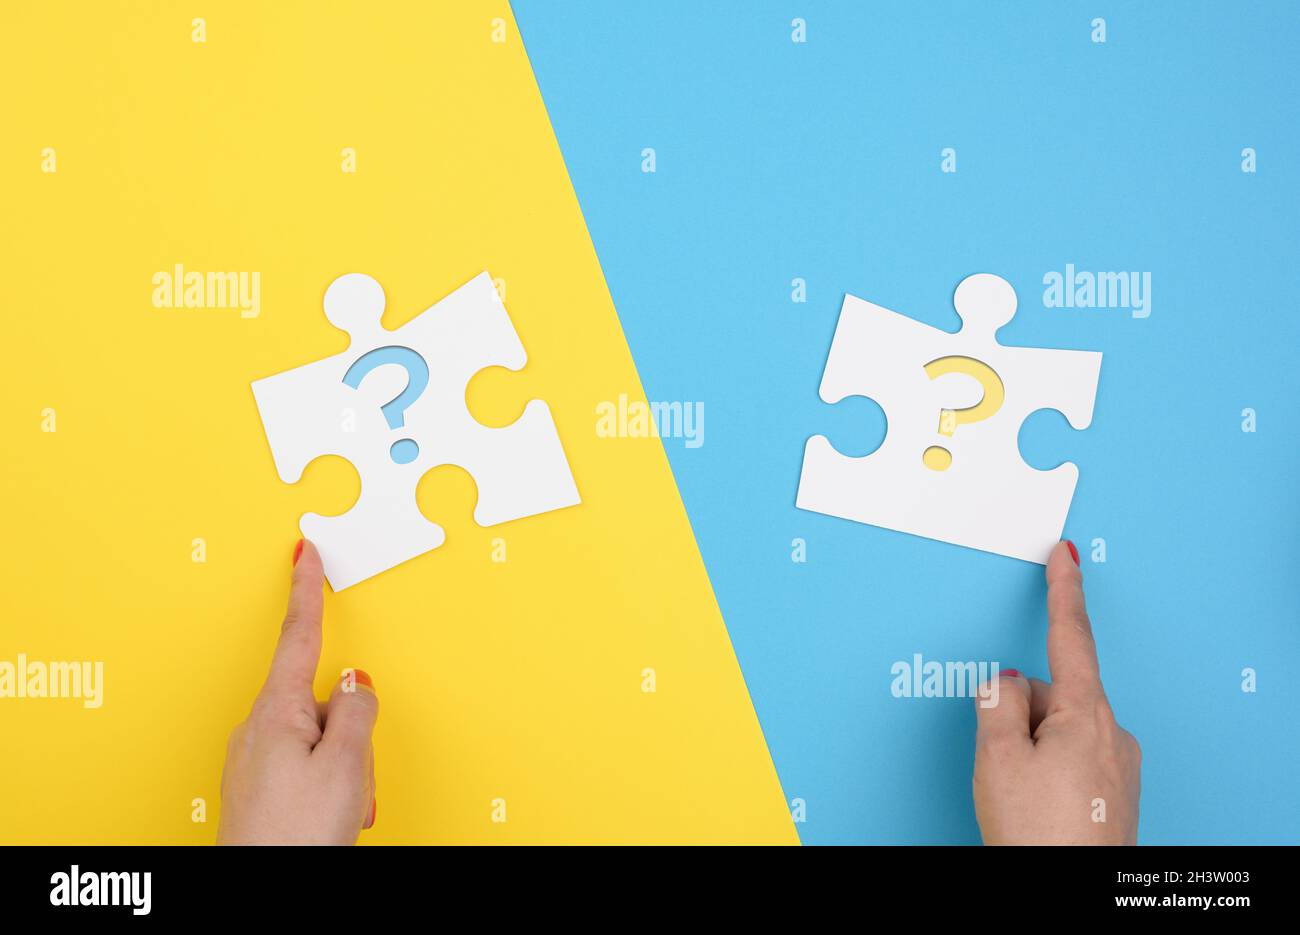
[(393, 404), (950, 466)]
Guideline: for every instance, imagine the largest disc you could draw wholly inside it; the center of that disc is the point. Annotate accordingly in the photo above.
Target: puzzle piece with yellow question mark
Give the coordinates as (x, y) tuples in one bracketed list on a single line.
[(961, 480)]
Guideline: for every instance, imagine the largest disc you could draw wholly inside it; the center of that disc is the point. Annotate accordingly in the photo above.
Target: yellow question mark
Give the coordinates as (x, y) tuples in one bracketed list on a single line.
[(940, 459)]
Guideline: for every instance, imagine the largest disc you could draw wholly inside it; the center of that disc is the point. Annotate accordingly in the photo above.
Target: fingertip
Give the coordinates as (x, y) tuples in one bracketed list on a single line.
[(350, 717), (364, 680), (353, 680), (1002, 709), (1063, 563), (993, 687), (306, 561), (1018, 679)]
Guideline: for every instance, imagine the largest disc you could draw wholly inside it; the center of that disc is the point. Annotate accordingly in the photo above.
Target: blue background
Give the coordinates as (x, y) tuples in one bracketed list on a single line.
[(821, 160)]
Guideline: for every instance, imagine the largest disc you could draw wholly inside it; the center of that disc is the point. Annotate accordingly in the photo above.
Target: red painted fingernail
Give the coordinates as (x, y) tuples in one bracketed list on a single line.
[(363, 678), (1014, 673), (297, 551), (1074, 553)]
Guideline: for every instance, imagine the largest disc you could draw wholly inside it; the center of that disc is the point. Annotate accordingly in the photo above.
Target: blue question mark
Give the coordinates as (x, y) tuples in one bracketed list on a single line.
[(404, 450)]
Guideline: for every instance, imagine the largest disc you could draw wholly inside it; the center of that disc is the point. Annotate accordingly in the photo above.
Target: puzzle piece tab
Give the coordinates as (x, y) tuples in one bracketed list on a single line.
[(950, 466), (407, 418)]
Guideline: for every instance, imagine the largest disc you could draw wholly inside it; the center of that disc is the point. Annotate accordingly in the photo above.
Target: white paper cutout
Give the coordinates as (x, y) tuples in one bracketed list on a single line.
[(987, 498), (520, 470)]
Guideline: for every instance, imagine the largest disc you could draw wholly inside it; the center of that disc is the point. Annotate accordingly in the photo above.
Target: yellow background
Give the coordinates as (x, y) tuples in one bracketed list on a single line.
[(519, 680)]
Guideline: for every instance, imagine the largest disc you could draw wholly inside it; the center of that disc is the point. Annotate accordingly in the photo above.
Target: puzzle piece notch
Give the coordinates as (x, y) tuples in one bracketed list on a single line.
[(519, 470), (987, 498)]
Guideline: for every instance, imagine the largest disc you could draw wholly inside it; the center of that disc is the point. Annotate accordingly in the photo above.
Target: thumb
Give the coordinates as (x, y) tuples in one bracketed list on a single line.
[(350, 719), (1002, 712)]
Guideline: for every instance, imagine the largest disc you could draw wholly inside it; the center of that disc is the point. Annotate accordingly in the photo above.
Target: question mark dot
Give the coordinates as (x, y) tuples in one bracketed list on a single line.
[(404, 451), (936, 458)]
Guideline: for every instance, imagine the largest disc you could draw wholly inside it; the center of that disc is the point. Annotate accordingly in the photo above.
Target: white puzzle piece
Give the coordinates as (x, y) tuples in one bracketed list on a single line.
[(962, 394), (393, 404)]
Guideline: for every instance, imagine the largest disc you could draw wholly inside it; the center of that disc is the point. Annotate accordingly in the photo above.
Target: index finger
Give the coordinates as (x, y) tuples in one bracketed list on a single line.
[(1071, 650), (293, 667)]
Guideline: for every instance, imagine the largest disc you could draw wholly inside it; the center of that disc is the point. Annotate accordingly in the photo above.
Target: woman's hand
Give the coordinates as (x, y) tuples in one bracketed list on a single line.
[(299, 771), (1051, 764)]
